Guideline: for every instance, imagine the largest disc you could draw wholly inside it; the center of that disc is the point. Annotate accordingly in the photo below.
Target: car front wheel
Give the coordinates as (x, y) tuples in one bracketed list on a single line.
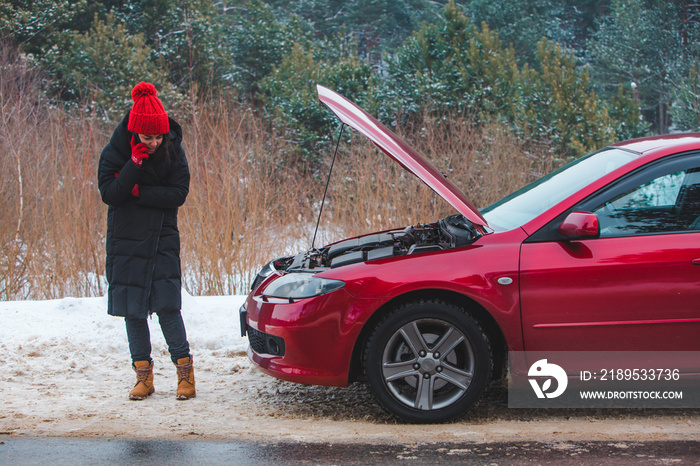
[(428, 361)]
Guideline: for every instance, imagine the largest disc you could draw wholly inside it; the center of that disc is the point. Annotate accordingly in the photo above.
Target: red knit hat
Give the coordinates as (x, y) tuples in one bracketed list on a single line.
[(147, 116)]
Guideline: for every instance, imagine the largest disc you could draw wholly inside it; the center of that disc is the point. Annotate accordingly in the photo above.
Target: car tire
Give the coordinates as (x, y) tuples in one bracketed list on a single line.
[(427, 362)]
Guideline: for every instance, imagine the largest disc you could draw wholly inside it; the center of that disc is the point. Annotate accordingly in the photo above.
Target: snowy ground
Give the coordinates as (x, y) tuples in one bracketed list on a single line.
[(65, 371)]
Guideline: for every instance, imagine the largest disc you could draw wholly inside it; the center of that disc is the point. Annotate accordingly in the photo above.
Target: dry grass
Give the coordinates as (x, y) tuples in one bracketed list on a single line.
[(51, 231), (246, 205), (371, 192), (241, 202)]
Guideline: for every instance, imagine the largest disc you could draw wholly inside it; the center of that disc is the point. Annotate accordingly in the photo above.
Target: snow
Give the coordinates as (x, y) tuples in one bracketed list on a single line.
[(82, 332), (65, 363), (65, 370)]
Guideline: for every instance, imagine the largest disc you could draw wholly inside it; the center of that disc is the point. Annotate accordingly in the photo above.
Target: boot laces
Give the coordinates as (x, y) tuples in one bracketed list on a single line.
[(183, 372), (142, 374)]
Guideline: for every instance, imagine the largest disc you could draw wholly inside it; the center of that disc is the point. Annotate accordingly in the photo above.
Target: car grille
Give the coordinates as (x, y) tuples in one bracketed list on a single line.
[(262, 343)]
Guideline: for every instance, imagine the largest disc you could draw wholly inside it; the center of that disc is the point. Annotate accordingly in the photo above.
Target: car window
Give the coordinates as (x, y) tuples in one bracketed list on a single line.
[(525, 204), (668, 203)]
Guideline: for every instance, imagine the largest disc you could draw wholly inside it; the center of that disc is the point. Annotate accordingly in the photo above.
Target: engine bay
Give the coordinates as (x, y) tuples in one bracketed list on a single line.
[(448, 233)]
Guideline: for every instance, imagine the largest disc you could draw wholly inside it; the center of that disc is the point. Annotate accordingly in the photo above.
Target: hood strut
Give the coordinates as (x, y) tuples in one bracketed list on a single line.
[(320, 211), (396, 148)]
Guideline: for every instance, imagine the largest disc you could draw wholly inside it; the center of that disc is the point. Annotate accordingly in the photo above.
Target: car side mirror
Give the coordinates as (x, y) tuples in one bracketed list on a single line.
[(579, 225)]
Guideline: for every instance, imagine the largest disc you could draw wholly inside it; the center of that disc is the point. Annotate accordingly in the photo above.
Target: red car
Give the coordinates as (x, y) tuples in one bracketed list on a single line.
[(600, 255)]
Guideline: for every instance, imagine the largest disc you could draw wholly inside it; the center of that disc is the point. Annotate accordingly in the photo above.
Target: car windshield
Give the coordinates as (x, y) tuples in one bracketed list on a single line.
[(525, 204)]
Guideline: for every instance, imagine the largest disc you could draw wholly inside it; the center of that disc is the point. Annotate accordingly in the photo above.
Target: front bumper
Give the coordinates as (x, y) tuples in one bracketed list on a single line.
[(260, 342), (309, 341)]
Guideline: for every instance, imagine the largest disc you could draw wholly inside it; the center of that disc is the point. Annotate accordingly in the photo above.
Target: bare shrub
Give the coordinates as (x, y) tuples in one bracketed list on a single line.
[(18, 112), (71, 254), (371, 192), (49, 234), (244, 201), (246, 204)]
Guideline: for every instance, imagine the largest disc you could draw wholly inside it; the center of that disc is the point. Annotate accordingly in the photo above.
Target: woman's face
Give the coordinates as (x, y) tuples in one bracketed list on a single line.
[(152, 141)]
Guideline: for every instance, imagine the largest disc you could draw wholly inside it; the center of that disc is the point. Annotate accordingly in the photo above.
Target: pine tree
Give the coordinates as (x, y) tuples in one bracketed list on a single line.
[(632, 48), (101, 66), (257, 41), (686, 111), (183, 34), (558, 104), (34, 24), (291, 99)]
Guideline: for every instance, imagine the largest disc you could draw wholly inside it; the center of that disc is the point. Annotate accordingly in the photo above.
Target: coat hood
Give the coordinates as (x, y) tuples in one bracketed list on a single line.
[(395, 147)]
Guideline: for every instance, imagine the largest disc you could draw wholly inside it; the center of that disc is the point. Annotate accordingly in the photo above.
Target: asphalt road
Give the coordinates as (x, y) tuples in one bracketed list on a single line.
[(77, 451)]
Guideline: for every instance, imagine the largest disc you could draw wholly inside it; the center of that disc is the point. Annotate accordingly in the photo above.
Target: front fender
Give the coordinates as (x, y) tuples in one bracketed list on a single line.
[(486, 272)]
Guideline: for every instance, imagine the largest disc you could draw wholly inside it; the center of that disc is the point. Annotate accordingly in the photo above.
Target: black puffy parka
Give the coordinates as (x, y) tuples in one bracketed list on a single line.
[(143, 241)]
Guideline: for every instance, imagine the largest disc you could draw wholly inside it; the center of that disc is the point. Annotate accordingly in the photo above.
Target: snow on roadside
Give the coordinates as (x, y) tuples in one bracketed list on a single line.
[(78, 333), (65, 371)]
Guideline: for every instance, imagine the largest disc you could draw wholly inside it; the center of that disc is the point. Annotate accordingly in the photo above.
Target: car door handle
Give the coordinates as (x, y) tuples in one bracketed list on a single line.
[(695, 261)]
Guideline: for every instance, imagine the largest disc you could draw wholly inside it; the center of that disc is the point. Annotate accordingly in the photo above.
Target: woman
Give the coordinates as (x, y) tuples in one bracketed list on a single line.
[(143, 177)]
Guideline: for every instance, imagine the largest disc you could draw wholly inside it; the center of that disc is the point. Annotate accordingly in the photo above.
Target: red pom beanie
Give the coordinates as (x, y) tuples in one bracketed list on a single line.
[(147, 116)]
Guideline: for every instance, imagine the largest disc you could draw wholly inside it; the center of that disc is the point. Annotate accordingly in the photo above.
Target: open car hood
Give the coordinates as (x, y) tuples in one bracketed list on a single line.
[(361, 121)]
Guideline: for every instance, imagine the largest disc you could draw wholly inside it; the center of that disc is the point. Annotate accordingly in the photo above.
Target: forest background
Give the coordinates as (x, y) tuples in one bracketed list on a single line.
[(494, 92)]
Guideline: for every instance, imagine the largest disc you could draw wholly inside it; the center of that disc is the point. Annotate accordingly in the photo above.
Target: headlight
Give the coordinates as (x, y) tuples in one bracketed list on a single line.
[(301, 285)]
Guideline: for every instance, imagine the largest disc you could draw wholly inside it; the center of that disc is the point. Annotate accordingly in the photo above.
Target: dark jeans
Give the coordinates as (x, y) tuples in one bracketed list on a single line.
[(173, 330)]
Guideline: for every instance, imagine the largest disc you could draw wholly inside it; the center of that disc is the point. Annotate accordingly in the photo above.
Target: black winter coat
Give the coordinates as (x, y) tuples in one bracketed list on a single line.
[(143, 242)]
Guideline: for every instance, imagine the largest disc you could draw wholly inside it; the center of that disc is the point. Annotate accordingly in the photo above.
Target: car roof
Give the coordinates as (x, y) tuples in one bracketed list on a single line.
[(662, 145)]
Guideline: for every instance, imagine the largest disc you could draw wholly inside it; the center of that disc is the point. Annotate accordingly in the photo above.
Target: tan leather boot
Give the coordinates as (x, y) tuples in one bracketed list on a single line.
[(185, 379), (144, 380)]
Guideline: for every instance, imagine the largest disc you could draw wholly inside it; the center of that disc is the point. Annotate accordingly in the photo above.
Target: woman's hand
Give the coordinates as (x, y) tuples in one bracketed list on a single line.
[(139, 151), (134, 190)]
